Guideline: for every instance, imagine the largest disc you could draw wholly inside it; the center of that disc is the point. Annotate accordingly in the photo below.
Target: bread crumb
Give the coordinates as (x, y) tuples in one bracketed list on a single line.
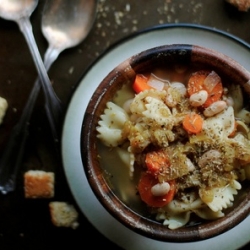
[(3, 108), (39, 184), (63, 214), (241, 5)]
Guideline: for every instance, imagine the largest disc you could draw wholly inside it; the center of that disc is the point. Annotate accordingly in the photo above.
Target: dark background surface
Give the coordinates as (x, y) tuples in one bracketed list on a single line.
[(24, 223)]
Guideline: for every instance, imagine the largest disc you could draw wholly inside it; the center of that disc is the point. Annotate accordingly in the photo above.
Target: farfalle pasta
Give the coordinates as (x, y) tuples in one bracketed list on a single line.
[(186, 143)]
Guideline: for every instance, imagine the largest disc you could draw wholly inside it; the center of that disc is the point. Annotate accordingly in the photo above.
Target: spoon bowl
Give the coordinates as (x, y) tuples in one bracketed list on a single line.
[(16, 9), (66, 24)]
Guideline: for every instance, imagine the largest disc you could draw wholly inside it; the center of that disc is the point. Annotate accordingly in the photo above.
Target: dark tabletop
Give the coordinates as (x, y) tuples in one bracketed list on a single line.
[(25, 223)]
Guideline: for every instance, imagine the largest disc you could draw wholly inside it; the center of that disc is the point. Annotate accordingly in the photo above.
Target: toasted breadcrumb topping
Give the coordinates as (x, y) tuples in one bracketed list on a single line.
[(63, 214), (242, 5), (38, 184)]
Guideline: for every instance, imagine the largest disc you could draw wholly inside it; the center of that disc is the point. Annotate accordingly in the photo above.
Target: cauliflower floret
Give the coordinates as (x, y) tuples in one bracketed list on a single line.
[(154, 121), (138, 105), (174, 96), (139, 136), (3, 108), (242, 148), (111, 125), (157, 112)]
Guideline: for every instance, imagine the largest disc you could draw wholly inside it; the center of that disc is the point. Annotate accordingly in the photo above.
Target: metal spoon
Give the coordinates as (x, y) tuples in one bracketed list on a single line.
[(20, 12), (68, 19)]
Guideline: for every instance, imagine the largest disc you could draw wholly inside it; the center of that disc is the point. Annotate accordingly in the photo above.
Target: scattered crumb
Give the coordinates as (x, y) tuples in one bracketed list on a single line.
[(38, 184), (63, 214), (71, 70), (127, 8)]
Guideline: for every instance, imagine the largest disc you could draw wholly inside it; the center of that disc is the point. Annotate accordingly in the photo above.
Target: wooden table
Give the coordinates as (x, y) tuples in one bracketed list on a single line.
[(25, 223)]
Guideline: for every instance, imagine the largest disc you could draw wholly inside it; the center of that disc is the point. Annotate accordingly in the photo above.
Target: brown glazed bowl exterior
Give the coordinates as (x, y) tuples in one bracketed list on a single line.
[(125, 74)]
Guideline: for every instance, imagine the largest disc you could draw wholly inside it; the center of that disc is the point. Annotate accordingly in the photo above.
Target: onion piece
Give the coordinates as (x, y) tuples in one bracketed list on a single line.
[(156, 82), (211, 81)]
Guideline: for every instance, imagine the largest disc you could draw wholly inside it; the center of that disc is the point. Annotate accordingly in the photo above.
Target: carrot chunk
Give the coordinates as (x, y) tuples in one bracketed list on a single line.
[(146, 182), (156, 161), (140, 83), (193, 123), (196, 81)]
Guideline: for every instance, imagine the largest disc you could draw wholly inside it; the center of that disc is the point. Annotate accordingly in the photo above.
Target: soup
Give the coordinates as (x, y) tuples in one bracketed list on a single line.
[(175, 144)]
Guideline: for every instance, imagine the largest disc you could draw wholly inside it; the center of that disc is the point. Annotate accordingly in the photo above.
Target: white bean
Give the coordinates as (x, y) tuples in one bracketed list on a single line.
[(160, 189), (199, 98), (179, 87), (215, 108), (209, 156)]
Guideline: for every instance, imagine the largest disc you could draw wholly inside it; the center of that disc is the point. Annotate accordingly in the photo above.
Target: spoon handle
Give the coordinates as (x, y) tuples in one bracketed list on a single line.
[(53, 105), (13, 152)]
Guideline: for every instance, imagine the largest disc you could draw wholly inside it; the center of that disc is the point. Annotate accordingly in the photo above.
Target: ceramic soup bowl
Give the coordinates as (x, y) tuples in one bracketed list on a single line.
[(165, 143)]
